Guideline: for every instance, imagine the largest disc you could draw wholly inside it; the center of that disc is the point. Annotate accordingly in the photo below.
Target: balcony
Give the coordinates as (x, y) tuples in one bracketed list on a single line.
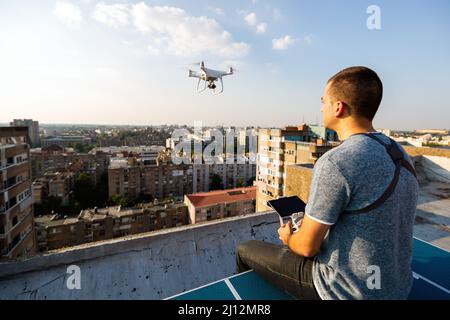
[(13, 170)]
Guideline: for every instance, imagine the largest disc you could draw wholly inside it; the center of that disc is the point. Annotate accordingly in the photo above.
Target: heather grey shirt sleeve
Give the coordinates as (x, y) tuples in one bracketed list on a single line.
[(329, 193)]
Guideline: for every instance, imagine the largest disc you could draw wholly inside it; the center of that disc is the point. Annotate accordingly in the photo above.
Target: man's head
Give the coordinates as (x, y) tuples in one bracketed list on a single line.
[(352, 94)]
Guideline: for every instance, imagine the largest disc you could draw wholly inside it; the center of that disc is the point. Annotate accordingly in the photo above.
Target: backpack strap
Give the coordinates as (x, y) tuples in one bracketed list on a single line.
[(399, 160)]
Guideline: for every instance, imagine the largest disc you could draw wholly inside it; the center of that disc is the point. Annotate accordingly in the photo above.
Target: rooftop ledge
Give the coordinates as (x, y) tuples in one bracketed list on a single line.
[(152, 265), (166, 263)]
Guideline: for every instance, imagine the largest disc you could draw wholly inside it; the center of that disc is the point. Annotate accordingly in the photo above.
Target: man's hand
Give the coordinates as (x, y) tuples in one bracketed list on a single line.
[(285, 232), (306, 242)]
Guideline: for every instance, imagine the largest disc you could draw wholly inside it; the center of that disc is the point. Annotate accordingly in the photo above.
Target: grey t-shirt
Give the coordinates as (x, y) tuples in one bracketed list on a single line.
[(368, 255)]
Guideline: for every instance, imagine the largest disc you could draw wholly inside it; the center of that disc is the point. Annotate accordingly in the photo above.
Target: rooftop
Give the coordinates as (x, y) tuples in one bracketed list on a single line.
[(165, 263), (204, 199)]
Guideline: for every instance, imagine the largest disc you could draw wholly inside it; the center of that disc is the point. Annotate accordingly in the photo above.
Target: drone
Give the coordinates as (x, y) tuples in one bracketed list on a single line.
[(209, 76)]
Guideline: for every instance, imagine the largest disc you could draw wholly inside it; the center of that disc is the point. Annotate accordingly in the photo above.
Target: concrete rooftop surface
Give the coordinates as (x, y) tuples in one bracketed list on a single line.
[(153, 265)]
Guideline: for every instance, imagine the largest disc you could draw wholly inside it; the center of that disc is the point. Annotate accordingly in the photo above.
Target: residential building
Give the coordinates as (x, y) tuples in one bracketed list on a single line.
[(160, 179), (279, 148), (133, 176), (232, 175), (33, 130), (58, 159), (54, 184), (65, 141), (54, 231), (17, 238), (212, 205)]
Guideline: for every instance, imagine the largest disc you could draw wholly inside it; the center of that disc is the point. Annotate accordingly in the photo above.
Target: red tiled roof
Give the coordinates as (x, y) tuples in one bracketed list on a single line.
[(203, 199)]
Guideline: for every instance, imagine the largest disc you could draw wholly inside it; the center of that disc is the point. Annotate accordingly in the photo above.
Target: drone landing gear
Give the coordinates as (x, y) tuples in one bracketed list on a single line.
[(198, 86), (221, 88)]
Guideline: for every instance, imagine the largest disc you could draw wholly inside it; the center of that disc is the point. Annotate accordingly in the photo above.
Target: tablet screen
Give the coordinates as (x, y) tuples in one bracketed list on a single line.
[(287, 206)]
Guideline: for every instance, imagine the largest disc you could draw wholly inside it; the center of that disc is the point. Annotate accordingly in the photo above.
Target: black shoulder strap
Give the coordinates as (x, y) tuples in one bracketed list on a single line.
[(399, 160)]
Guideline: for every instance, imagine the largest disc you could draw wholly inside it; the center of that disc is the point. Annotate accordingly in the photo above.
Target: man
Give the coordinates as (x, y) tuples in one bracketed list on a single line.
[(340, 252)]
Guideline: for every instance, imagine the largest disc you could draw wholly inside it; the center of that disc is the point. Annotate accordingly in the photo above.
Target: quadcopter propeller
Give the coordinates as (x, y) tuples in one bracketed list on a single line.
[(201, 63)]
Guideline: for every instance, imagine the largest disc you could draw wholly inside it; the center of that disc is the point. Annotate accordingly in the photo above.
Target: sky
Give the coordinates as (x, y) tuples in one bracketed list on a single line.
[(126, 62)]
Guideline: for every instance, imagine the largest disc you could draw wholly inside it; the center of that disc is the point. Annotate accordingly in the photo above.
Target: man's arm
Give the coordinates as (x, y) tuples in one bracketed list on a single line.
[(307, 241), (329, 196)]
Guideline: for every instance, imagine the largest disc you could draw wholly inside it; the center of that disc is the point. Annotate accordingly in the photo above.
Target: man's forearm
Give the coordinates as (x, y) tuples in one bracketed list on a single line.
[(298, 245)]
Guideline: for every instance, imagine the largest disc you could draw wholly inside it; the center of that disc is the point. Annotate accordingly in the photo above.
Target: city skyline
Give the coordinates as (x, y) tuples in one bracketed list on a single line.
[(125, 62)]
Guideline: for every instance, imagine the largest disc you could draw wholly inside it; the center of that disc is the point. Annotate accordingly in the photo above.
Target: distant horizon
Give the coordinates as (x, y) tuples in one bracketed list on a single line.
[(192, 125)]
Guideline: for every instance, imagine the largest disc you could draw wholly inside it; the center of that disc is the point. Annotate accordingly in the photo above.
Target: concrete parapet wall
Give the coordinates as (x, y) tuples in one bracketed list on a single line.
[(148, 266)]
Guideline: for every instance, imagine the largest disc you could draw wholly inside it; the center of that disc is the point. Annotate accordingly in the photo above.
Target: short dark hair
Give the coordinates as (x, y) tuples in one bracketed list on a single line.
[(358, 87)]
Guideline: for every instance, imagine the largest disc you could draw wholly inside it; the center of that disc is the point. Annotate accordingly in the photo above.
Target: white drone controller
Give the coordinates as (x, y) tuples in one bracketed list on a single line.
[(296, 219), (289, 207)]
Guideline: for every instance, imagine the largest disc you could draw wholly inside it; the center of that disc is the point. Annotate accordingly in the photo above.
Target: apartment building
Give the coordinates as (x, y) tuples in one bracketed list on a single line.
[(92, 225), (279, 148), (33, 130), (17, 239), (54, 184), (56, 158), (212, 205), (233, 175), (65, 141), (160, 179)]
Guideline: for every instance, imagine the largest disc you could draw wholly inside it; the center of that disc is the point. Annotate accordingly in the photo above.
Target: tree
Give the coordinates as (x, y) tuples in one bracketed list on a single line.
[(48, 205), (80, 147), (118, 200), (101, 190), (216, 182), (250, 181), (84, 191)]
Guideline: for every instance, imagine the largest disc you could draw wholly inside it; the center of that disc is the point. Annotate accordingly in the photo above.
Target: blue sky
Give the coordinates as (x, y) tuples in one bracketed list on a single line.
[(125, 62)]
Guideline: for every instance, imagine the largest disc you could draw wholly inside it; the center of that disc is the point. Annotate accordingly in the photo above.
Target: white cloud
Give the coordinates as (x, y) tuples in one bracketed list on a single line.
[(115, 15), (261, 28), (282, 43), (250, 19), (68, 13), (216, 10), (171, 30)]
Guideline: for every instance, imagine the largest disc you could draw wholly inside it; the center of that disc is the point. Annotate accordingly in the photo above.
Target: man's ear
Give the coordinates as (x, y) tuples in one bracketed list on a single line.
[(339, 108)]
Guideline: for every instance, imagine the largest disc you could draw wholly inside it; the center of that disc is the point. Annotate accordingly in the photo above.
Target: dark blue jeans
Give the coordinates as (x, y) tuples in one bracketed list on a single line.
[(280, 266)]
